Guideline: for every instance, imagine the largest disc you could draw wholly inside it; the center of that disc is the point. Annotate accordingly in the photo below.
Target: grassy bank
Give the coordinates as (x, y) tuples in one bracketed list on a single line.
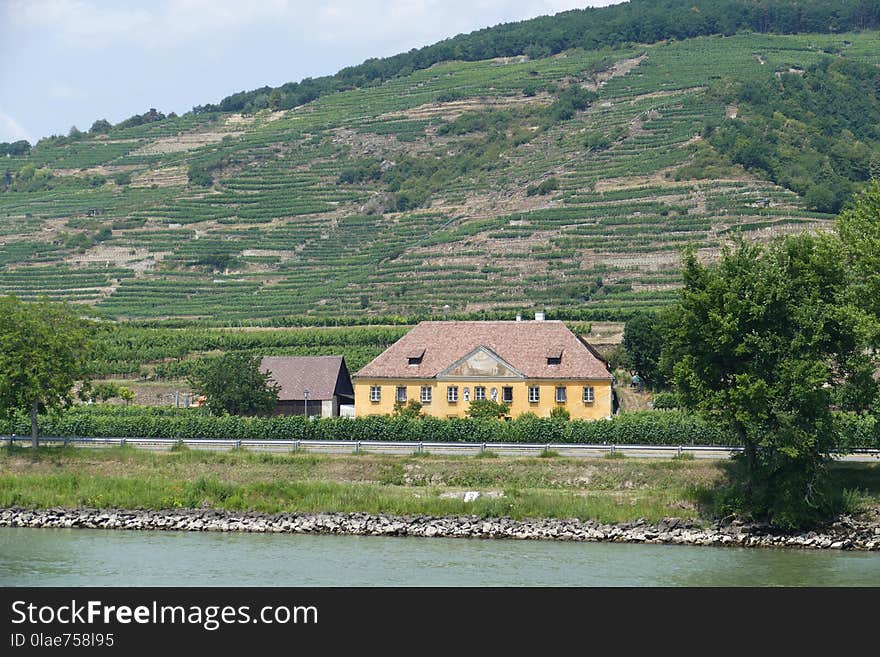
[(607, 490)]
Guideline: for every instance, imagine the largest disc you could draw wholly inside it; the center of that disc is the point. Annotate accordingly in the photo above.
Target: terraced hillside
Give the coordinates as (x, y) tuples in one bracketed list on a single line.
[(567, 183)]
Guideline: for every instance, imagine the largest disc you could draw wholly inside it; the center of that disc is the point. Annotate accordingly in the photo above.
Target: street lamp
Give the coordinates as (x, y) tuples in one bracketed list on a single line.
[(306, 395)]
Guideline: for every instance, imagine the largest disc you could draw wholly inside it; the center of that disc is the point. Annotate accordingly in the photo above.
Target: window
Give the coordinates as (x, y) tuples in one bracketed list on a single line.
[(560, 394), (479, 392), (426, 394), (401, 393), (589, 395), (554, 356), (452, 393), (414, 356), (375, 393), (507, 395), (534, 394)]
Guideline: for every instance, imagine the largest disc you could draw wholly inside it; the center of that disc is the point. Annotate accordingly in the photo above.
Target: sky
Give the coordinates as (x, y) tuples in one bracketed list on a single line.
[(67, 63)]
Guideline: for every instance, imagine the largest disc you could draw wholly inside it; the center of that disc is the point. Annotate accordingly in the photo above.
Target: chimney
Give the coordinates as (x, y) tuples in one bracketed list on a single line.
[(539, 316)]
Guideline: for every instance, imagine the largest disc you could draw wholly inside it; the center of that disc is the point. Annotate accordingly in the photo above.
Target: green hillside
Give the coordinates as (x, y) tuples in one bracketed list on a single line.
[(566, 182)]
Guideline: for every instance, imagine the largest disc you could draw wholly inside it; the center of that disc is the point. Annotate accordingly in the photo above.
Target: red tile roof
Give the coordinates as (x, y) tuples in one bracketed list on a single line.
[(322, 376), (525, 345)]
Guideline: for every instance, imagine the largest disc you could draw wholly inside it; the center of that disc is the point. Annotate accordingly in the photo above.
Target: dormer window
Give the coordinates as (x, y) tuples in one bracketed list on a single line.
[(415, 356), (554, 356)]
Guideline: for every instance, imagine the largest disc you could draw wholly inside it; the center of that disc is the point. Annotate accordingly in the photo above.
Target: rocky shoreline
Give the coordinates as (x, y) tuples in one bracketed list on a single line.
[(845, 534)]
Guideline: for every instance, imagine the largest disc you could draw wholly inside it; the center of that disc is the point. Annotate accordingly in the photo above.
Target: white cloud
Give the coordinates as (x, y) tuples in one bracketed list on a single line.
[(12, 130)]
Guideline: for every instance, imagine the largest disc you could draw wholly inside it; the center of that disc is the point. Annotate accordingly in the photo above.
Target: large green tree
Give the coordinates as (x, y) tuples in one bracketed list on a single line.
[(643, 340), (859, 230), (234, 384), (760, 341), (44, 350)]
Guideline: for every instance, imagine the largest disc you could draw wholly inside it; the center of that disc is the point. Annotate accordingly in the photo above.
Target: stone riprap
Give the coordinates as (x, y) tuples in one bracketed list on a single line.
[(846, 534)]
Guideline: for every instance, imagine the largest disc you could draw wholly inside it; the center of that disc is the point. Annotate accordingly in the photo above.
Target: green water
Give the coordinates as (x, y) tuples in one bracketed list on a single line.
[(85, 557)]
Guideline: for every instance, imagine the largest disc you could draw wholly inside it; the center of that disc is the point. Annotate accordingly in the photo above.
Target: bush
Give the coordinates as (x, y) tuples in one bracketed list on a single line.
[(645, 427), (560, 414), (547, 186), (666, 401), (411, 409), (486, 408), (164, 422)]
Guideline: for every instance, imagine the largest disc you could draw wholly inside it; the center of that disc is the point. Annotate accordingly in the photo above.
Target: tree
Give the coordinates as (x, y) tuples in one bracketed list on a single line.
[(106, 390), (759, 342), (234, 384), (101, 126), (859, 230), (20, 147), (44, 349), (411, 409), (560, 414), (486, 408), (643, 340)]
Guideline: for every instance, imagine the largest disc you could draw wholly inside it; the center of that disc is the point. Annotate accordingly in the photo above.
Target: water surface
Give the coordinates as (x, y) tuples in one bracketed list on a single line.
[(95, 557)]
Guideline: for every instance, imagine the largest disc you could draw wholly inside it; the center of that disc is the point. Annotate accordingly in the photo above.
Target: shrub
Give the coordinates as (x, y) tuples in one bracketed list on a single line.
[(666, 400), (645, 427), (411, 409), (560, 414), (544, 188), (486, 408)]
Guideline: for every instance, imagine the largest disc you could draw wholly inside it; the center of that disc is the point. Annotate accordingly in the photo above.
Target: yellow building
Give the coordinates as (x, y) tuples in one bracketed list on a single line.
[(534, 366)]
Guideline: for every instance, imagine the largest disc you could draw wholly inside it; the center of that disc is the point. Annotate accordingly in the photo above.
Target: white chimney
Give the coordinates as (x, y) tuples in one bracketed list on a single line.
[(539, 316)]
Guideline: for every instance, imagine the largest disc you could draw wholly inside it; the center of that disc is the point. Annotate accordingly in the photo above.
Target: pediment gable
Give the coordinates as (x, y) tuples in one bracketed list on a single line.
[(481, 363)]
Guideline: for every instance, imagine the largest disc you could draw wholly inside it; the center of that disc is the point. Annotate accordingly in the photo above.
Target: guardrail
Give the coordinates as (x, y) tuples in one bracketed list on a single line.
[(363, 445), (408, 447)]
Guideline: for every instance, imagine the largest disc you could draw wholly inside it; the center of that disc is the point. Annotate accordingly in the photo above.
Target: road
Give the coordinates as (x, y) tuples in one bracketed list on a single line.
[(407, 448)]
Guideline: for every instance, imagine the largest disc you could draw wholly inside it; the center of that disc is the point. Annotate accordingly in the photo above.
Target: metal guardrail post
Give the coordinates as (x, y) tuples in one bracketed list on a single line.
[(679, 450), (612, 448), (482, 448), (237, 444), (122, 442), (357, 447), (420, 447)]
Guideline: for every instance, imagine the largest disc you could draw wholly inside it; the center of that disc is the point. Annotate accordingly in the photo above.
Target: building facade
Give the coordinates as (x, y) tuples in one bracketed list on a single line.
[(533, 366)]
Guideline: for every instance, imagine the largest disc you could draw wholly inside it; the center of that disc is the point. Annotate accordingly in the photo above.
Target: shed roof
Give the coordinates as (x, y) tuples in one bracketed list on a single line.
[(525, 345), (322, 376)]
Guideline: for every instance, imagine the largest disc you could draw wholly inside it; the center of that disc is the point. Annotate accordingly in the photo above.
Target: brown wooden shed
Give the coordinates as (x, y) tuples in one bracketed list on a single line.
[(310, 385)]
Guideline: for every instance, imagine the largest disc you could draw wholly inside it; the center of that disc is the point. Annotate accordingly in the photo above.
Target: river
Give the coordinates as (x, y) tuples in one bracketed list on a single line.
[(94, 557)]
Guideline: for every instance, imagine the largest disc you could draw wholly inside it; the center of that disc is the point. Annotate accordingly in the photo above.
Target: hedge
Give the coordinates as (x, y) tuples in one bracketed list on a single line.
[(644, 428)]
